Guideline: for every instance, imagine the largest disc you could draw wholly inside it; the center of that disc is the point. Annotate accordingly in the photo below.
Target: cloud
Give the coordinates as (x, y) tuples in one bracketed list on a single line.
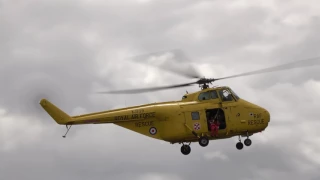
[(156, 176), (64, 51), (16, 134), (215, 155)]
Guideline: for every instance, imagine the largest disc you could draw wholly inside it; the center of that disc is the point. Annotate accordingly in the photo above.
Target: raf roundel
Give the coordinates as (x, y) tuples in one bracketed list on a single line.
[(153, 130)]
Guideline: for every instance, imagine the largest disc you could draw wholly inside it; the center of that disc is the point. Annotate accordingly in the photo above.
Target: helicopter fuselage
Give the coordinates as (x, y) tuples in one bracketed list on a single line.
[(177, 122), (180, 121)]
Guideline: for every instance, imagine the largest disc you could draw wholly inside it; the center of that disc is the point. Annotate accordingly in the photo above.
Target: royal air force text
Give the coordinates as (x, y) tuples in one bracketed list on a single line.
[(136, 116)]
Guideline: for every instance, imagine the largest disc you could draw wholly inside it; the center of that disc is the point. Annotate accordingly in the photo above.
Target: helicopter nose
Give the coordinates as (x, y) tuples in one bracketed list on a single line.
[(266, 115)]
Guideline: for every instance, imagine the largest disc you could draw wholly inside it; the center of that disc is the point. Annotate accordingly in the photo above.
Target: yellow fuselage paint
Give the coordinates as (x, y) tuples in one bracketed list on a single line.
[(173, 121), (173, 125)]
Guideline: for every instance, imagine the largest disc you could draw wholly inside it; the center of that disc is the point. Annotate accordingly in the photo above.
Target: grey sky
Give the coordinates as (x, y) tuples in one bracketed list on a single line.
[(64, 51)]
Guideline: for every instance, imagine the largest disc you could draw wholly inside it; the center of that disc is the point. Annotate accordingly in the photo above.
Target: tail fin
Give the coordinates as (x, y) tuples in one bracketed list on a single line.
[(57, 114)]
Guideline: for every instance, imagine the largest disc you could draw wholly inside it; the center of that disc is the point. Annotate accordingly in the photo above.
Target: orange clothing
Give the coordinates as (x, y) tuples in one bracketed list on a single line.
[(214, 128)]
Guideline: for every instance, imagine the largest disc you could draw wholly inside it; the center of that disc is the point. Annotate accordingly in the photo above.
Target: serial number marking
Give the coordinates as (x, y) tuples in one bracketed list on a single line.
[(255, 122), (91, 121), (143, 124), (137, 111)]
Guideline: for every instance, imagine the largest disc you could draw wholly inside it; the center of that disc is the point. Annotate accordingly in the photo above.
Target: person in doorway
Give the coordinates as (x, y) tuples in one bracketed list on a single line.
[(215, 128)]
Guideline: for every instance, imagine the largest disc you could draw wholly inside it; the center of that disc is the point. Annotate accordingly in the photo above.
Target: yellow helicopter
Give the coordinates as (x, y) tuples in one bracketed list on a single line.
[(188, 120)]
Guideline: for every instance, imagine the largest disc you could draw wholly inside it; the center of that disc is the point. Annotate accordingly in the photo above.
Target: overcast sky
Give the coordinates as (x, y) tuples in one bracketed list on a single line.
[(66, 50)]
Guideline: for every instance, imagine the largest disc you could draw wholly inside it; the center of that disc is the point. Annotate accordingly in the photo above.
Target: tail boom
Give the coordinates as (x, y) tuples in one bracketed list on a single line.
[(57, 114), (63, 118)]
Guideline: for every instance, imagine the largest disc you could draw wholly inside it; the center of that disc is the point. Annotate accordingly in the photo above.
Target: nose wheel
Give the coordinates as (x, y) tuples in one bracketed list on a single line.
[(247, 142), (239, 145)]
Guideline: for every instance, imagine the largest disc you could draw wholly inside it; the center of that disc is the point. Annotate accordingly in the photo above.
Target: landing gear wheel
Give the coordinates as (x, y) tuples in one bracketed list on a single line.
[(185, 149), (239, 145), (203, 141), (247, 142)]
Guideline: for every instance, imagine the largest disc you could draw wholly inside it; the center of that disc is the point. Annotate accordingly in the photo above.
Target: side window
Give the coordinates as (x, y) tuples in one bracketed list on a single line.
[(214, 94), (225, 95), (195, 115), (204, 96)]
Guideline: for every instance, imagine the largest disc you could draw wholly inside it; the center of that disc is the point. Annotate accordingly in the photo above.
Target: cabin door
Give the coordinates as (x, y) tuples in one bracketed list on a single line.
[(217, 113), (196, 121), (231, 110), (231, 117)]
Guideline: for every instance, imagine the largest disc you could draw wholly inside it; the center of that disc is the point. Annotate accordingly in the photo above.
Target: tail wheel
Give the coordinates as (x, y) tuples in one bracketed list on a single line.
[(203, 141)]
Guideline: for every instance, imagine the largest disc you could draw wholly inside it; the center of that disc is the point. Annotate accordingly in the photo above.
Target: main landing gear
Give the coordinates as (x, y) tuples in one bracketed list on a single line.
[(247, 142), (185, 149), (203, 141)]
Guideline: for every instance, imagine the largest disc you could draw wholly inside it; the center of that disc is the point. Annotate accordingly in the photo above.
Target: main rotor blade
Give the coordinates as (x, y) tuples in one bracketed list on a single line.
[(292, 65), (133, 91), (174, 61)]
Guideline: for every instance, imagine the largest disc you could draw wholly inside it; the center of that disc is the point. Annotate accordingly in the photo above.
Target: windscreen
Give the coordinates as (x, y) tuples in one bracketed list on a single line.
[(235, 95)]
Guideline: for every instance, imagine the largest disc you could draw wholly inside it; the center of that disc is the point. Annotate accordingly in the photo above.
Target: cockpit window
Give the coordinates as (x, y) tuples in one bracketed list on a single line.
[(204, 96), (225, 95), (214, 94), (235, 95), (208, 95)]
